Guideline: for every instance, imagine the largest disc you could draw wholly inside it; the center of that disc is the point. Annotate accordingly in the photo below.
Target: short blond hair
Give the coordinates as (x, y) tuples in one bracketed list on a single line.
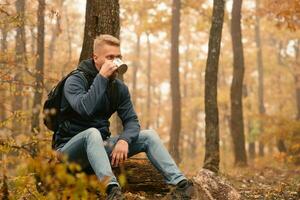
[(105, 39)]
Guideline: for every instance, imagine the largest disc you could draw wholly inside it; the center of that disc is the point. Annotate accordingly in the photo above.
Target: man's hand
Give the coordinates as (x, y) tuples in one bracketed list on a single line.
[(119, 153), (108, 69)]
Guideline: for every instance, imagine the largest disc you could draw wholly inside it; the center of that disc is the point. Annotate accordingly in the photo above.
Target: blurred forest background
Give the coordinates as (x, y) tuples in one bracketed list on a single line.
[(258, 112)]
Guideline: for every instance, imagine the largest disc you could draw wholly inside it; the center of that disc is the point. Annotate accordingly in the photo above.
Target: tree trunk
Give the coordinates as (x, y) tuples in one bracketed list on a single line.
[(136, 65), (148, 115), (69, 38), (251, 150), (281, 146), (236, 90), (20, 59), (297, 77), (212, 152), (260, 68), (2, 68), (279, 140), (159, 99), (56, 30), (101, 17), (193, 143), (39, 72), (32, 42), (175, 89), (186, 70), (251, 137)]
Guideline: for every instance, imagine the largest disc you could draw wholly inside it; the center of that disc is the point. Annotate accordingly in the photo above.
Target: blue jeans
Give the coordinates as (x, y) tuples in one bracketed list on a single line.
[(89, 150)]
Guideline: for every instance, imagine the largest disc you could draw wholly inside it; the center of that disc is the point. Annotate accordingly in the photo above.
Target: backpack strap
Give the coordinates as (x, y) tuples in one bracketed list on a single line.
[(88, 78)]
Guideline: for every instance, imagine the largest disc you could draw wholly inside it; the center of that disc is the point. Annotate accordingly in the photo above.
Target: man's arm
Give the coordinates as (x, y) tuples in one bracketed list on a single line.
[(82, 101), (131, 128), (126, 112)]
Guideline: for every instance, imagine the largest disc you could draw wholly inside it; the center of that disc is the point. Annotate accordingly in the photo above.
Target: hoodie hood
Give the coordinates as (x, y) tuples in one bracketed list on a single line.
[(88, 66)]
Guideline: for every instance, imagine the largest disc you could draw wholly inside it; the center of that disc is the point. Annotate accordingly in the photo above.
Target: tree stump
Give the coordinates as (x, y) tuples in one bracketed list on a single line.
[(141, 175), (210, 186)]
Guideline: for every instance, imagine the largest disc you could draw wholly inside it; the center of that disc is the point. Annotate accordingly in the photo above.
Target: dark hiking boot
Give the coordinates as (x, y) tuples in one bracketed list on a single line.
[(183, 191), (115, 194)]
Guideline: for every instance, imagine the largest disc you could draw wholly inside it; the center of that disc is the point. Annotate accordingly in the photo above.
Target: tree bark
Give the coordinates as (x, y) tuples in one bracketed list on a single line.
[(101, 17), (20, 59), (212, 152), (236, 90), (260, 68), (39, 67), (148, 118), (175, 86)]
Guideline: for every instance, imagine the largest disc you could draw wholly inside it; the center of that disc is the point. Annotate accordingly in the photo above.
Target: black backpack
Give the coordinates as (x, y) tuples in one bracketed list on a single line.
[(51, 109)]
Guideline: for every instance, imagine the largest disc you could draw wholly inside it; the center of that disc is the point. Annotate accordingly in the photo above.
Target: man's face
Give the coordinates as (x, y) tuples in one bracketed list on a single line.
[(106, 52)]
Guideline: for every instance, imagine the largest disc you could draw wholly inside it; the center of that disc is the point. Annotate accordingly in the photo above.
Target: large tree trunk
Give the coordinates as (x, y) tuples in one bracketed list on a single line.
[(260, 68), (39, 67), (237, 119), (20, 59), (101, 17), (148, 113), (212, 152), (175, 89)]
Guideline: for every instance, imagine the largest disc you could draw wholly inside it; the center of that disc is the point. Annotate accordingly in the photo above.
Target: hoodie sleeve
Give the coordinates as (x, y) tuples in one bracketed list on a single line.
[(126, 112), (85, 102)]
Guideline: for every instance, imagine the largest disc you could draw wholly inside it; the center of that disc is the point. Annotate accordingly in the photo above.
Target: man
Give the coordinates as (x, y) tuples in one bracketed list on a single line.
[(84, 134)]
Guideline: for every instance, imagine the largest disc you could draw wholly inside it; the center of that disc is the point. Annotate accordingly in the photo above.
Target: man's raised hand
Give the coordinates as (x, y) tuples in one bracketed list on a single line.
[(108, 68)]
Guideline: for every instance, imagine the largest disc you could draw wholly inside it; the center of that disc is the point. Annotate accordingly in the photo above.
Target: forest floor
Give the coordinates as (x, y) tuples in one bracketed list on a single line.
[(262, 180)]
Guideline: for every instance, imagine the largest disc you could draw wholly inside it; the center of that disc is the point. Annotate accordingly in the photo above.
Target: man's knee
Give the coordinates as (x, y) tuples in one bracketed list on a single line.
[(150, 136), (94, 135)]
